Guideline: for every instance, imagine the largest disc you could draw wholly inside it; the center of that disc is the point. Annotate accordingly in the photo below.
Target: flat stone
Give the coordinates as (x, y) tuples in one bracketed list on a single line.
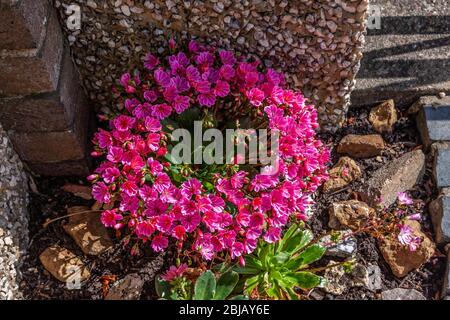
[(351, 214), (63, 264), (446, 285), (62, 168), (440, 215), (432, 118), (344, 172), (383, 117), (361, 146), (337, 280), (87, 231), (400, 259), (399, 175), (344, 248), (84, 192), (441, 164), (128, 288), (402, 294), (375, 282)]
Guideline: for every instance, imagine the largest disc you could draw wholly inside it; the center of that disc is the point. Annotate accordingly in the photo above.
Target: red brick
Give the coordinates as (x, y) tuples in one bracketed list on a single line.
[(22, 23), (54, 111), (24, 73), (65, 168)]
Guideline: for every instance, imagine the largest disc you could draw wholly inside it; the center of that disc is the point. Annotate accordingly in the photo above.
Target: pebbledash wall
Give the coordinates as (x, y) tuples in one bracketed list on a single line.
[(317, 43)]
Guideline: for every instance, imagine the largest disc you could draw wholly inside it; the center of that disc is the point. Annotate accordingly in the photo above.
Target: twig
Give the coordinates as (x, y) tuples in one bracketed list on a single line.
[(45, 225)]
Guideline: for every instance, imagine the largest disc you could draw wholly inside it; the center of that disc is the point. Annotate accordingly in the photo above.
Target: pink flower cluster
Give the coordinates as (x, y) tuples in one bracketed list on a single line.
[(136, 181)]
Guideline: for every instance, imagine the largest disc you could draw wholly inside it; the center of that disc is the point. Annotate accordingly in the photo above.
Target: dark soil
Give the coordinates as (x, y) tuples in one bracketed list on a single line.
[(51, 202)]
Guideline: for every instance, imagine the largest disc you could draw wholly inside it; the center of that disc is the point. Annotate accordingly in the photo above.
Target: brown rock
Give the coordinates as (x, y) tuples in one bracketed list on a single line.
[(384, 116), (128, 288), (88, 231), (351, 214), (361, 146), (400, 258), (399, 175), (63, 168), (345, 171), (63, 264), (77, 190)]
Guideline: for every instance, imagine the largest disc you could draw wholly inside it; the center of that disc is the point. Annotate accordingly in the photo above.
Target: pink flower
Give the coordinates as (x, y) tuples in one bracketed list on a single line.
[(152, 124), (161, 111), (256, 96), (404, 199), (124, 123), (100, 192), (159, 243), (222, 88), (407, 237), (104, 139), (130, 188), (110, 174), (162, 77), (174, 272), (180, 104), (162, 181), (191, 187), (207, 99), (153, 140), (115, 154), (191, 221), (237, 249), (164, 223), (272, 235), (227, 57), (144, 229), (178, 232), (151, 61), (109, 218), (150, 95), (227, 72)]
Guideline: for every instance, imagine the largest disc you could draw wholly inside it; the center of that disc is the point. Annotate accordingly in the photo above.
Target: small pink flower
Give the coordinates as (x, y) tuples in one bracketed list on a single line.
[(174, 272), (162, 181), (159, 243), (178, 232), (161, 111), (180, 104), (256, 96), (152, 124), (162, 77), (144, 229), (221, 89), (151, 61), (272, 235), (227, 72), (207, 99), (164, 223), (153, 140), (404, 199), (130, 188), (407, 237), (227, 57), (101, 193), (110, 174), (124, 123), (109, 218)]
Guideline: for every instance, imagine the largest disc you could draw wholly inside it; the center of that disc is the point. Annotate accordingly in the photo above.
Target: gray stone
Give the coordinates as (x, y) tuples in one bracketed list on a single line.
[(402, 294), (128, 288), (446, 285), (343, 249), (440, 215), (399, 175), (432, 118), (441, 164), (374, 282)]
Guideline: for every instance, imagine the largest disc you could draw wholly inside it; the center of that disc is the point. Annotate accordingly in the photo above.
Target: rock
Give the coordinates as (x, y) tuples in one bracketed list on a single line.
[(383, 117), (337, 281), (440, 216), (441, 164), (432, 118), (400, 258), (342, 249), (351, 214), (446, 286), (128, 288), (402, 294), (361, 146), (63, 264), (87, 231), (399, 175), (345, 171), (84, 192), (374, 282)]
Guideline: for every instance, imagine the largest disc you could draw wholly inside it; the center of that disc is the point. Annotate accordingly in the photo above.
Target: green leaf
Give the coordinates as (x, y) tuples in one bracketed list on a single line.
[(280, 258), (205, 286), (162, 287), (299, 241), (252, 283), (225, 285), (307, 256), (293, 229), (303, 279), (239, 297), (246, 270)]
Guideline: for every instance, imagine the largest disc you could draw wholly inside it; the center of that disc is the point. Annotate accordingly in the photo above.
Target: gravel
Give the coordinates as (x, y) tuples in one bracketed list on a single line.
[(13, 219)]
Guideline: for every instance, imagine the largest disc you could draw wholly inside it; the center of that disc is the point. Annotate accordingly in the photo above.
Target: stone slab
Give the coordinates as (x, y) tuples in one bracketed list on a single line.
[(441, 167), (446, 286), (25, 73), (22, 24), (62, 168), (440, 215)]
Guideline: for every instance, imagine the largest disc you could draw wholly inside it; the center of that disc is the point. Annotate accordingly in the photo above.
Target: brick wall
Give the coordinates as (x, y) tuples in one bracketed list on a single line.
[(42, 106)]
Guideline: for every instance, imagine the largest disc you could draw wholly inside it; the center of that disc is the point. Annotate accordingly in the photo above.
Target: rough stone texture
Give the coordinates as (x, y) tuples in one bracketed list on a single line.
[(13, 219), (87, 231), (63, 264), (351, 214), (400, 258), (128, 288), (317, 43), (64, 168), (345, 248), (338, 281), (402, 294), (375, 282), (361, 146), (408, 57), (446, 285), (345, 171), (441, 164), (25, 72), (50, 111), (432, 118), (383, 116), (399, 175), (440, 215), (28, 18)]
